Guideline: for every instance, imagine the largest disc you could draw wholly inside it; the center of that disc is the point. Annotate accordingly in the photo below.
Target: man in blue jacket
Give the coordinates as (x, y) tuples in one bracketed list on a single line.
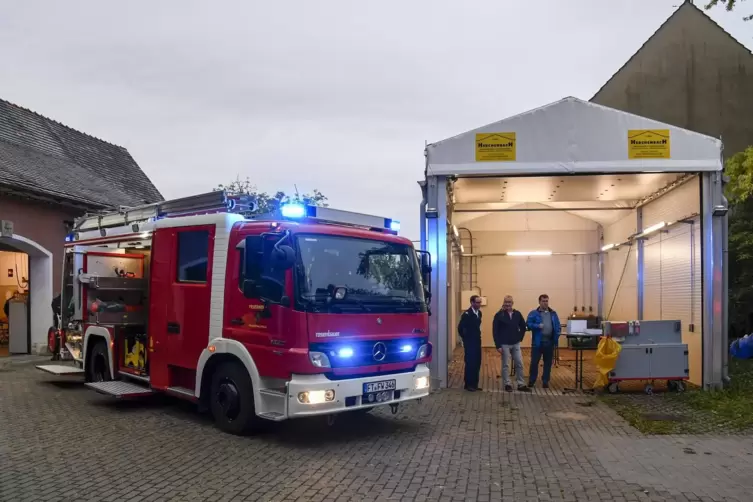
[(545, 328)]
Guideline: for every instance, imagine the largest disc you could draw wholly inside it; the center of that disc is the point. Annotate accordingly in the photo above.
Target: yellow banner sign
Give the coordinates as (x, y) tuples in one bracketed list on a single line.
[(648, 144), (495, 147)]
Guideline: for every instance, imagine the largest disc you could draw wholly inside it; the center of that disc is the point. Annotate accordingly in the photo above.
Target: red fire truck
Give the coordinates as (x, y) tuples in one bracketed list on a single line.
[(308, 311)]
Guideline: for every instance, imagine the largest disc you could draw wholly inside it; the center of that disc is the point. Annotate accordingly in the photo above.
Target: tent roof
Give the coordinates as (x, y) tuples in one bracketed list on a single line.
[(573, 136)]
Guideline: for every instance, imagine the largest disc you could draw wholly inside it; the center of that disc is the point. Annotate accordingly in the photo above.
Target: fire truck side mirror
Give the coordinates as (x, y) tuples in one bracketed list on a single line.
[(283, 257), (425, 262), (425, 257)]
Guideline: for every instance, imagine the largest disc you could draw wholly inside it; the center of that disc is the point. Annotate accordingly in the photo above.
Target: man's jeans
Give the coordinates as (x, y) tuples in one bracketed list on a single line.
[(547, 351), (517, 357)]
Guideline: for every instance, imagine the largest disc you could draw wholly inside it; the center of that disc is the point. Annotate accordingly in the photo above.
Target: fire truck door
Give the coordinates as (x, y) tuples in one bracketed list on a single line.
[(258, 327), (181, 294)]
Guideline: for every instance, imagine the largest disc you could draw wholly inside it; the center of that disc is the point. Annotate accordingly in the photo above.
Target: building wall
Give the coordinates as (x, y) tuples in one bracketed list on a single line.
[(690, 74), (42, 223)]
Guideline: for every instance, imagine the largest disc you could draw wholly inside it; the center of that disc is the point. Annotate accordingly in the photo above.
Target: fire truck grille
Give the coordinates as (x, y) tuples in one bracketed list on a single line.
[(344, 354)]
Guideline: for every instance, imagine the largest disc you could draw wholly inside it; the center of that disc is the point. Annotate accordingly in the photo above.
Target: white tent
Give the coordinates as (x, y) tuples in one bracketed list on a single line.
[(573, 136), (593, 164)]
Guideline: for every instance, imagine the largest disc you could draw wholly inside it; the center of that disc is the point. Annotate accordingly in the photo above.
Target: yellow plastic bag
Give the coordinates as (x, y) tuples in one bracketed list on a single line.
[(606, 359)]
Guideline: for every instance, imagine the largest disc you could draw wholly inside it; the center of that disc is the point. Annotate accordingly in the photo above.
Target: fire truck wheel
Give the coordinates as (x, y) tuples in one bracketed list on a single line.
[(98, 367), (232, 399)]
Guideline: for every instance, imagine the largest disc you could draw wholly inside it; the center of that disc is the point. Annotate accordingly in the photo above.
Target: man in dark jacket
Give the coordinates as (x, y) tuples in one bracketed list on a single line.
[(545, 330), (509, 328), (469, 329)]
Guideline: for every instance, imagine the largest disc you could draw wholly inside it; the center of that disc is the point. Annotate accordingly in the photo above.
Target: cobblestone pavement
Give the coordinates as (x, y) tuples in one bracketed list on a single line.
[(61, 442)]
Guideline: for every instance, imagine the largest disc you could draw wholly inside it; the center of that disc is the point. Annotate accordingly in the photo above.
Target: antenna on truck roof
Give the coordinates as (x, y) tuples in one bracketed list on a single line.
[(218, 201)]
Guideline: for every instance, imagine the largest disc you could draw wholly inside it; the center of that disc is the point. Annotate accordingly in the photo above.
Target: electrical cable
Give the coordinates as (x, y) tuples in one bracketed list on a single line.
[(619, 283)]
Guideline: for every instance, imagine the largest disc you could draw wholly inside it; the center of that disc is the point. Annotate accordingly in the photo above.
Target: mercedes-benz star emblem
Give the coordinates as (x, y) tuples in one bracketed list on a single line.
[(379, 352), (379, 320)]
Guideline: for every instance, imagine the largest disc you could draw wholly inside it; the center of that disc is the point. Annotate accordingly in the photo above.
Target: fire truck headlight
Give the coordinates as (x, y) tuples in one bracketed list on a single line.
[(316, 396), (423, 351), (319, 359), (422, 383)]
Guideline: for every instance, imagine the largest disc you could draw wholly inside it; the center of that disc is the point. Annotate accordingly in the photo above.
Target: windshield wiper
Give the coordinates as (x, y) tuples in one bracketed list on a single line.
[(357, 302), (313, 304)]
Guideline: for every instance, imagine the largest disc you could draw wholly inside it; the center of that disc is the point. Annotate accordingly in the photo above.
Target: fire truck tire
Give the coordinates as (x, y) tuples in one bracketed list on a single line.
[(98, 366), (232, 399)]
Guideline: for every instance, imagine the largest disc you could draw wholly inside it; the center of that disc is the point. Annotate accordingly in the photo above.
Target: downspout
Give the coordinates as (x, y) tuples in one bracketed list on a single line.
[(725, 299), (725, 277), (422, 228)]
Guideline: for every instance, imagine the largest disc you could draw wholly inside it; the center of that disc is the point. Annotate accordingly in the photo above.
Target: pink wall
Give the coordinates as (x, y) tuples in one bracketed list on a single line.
[(42, 223)]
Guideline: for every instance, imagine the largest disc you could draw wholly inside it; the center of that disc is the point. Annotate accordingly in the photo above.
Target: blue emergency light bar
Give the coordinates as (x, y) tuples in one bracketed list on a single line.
[(295, 211)]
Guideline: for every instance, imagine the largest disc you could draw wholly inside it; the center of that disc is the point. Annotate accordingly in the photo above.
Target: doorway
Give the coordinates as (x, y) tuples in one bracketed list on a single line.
[(26, 287)]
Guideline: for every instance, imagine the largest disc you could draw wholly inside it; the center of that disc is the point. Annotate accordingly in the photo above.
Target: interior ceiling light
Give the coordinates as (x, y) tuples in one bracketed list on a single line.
[(607, 247), (529, 253), (654, 228), (455, 231)]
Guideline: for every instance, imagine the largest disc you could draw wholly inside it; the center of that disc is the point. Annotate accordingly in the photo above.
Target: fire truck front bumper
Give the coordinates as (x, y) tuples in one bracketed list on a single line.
[(310, 395)]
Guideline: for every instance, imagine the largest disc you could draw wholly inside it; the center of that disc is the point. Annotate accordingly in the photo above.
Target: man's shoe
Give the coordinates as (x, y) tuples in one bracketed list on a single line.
[(477, 388), (470, 389), (508, 388), (546, 385), (531, 384), (523, 388)]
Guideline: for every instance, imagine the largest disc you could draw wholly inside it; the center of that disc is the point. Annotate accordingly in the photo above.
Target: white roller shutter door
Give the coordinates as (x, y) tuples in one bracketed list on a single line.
[(672, 281)]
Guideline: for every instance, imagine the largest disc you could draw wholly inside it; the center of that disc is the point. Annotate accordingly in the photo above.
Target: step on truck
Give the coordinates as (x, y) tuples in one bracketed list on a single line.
[(307, 311)]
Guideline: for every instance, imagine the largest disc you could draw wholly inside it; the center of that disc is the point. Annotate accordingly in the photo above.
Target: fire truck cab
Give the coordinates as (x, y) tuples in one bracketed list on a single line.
[(308, 311)]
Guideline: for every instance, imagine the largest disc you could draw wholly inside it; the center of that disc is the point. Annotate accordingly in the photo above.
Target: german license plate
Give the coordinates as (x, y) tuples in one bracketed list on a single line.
[(370, 387)]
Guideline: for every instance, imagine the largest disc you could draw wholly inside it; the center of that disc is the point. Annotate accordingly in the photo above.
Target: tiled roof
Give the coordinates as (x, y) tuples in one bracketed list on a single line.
[(40, 155)]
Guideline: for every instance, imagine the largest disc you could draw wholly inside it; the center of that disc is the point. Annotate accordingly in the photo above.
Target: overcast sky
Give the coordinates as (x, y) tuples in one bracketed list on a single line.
[(335, 95)]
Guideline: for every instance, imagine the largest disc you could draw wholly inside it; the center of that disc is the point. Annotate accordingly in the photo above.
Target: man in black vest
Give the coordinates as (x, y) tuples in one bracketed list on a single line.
[(469, 329)]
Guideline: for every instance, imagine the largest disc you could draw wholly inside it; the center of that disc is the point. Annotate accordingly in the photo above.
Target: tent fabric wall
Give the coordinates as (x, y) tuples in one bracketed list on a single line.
[(672, 267), (525, 278), (620, 271)]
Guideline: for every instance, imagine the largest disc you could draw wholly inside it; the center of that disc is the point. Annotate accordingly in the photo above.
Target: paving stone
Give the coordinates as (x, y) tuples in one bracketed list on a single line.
[(62, 442)]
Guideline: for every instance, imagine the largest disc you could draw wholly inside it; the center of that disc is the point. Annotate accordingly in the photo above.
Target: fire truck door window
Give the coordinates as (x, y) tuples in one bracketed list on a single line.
[(272, 278), (250, 263), (193, 256)]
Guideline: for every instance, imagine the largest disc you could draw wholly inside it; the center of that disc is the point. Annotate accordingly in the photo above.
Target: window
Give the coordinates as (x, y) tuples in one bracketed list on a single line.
[(370, 270), (193, 256)]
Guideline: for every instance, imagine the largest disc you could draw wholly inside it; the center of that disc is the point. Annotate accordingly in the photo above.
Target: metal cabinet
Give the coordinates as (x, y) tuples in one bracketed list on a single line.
[(669, 361), (633, 363), (651, 362)]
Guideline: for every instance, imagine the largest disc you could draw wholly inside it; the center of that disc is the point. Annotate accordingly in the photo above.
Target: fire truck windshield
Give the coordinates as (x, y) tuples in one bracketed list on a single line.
[(376, 275)]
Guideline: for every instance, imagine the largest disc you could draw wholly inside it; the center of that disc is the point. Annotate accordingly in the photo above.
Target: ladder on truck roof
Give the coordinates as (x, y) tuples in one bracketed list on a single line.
[(218, 201)]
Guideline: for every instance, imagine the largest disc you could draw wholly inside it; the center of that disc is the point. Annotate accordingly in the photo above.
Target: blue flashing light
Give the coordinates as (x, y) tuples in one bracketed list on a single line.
[(406, 348), (395, 226), (293, 210), (69, 238), (345, 352)]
